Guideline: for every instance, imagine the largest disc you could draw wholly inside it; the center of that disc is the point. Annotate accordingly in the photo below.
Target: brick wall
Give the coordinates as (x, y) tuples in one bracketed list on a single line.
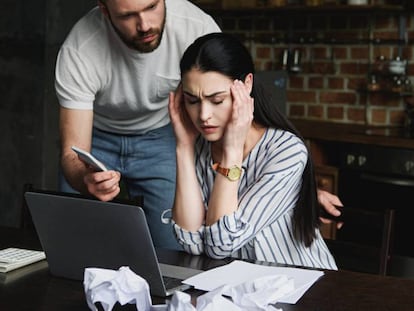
[(338, 55)]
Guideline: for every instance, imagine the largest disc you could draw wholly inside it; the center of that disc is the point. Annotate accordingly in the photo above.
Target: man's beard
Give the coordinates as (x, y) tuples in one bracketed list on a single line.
[(135, 43)]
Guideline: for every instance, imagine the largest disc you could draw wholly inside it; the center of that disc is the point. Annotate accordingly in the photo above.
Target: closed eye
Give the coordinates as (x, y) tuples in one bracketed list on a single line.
[(217, 102), (215, 99), (193, 101), (190, 99)]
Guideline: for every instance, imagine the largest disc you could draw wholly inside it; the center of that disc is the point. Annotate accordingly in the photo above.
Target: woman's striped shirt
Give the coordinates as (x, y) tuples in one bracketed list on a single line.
[(262, 227)]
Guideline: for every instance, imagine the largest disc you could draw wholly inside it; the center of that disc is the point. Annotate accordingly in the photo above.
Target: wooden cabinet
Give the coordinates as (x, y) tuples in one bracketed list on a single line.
[(327, 179), (326, 174)]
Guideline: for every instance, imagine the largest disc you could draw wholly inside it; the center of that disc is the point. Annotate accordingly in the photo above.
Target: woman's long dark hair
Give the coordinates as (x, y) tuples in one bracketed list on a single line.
[(225, 54)]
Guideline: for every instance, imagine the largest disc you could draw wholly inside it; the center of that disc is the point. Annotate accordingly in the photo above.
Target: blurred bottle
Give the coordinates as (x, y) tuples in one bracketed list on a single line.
[(373, 84), (380, 65), (408, 88), (295, 65), (397, 86), (284, 59)]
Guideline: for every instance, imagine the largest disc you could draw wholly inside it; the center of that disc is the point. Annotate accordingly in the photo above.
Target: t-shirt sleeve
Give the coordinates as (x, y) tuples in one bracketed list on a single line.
[(75, 84), (211, 25)]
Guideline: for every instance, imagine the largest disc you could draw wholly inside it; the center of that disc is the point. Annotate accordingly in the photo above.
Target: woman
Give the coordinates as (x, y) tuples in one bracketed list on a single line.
[(245, 184)]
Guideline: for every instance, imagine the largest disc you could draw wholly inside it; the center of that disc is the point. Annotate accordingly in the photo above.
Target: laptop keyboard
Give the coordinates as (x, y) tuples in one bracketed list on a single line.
[(170, 282)]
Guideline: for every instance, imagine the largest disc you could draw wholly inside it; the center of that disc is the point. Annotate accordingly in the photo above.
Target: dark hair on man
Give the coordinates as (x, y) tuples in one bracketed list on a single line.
[(225, 54)]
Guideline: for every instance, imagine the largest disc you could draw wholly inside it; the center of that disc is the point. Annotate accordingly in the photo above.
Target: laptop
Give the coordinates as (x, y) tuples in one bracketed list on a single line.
[(77, 232)]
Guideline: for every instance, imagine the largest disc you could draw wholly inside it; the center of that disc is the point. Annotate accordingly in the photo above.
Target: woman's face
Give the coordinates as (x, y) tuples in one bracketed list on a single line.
[(208, 102)]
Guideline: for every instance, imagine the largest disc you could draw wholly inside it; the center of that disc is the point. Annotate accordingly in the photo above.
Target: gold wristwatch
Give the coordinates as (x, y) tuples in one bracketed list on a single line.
[(232, 173)]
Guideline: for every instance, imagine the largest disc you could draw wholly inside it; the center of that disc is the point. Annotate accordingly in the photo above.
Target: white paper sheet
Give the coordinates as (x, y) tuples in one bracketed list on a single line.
[(238, 272)]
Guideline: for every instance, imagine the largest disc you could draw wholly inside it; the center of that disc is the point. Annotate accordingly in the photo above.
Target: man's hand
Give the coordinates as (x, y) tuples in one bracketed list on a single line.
[(103, 185), (330, 202)]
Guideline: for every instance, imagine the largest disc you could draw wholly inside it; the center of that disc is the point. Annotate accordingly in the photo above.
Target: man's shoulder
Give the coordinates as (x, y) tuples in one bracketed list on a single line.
[(87, 28), (185, 22), (186, 10)]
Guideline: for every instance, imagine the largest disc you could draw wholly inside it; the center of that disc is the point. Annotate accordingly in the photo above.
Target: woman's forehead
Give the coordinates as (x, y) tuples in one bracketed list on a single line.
[(205, 84)]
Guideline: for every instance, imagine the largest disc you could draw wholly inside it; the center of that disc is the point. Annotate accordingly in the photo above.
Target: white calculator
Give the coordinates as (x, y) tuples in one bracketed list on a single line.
[(12, 258)]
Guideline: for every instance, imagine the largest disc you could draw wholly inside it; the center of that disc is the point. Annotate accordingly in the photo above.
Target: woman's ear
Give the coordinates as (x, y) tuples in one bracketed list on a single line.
[(248, 81)]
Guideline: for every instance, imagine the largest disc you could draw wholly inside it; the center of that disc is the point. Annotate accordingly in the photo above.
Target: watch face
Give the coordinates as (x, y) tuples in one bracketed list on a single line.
[(234, 173)]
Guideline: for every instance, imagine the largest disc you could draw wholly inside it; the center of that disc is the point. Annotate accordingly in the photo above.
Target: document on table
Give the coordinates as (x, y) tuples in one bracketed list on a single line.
[(238, 272)]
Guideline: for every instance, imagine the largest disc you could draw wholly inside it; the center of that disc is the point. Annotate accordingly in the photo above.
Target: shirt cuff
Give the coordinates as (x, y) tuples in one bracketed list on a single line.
[(225, 230), (189, 237)]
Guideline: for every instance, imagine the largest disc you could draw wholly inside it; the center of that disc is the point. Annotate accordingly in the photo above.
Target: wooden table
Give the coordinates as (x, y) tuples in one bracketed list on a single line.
[(36, 289)]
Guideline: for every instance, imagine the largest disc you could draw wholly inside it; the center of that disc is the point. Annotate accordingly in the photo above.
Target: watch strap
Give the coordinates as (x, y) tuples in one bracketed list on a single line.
[(233, 173), (222, 170)]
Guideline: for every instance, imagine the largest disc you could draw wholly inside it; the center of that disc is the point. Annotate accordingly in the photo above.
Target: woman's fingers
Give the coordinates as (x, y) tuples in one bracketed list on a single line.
[(242, 102)]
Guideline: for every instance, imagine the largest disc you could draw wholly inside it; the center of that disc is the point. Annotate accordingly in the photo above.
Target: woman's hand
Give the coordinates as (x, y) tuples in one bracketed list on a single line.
[(185, 131), (103, 185), (240, 119)]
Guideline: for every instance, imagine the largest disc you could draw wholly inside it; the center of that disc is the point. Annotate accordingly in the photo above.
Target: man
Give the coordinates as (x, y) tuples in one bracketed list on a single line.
[(113, 76)]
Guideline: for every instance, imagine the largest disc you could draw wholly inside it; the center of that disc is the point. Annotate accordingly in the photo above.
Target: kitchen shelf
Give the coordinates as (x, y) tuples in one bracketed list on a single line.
[(270, 38), (385, 92), (325, 9), (300, 9)]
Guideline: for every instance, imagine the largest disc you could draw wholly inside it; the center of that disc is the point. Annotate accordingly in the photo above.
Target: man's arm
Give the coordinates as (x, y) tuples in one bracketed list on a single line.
[(76, 130), (330, 203)]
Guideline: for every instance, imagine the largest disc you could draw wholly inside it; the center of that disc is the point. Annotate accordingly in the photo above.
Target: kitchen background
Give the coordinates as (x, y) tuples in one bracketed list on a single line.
[(346, 64), (344, 53)]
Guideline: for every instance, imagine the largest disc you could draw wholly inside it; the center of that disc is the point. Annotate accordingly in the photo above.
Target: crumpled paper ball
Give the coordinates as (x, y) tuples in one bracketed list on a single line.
[(110, 286), (124, 286)]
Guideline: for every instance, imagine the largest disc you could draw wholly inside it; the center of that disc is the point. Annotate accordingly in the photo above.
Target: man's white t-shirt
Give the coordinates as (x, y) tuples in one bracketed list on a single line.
[(127, 90)]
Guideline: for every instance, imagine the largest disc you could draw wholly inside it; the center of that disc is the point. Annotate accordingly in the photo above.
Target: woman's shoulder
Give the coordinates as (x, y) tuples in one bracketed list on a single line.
[(281, 147), (282, 136), (282, 143)]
